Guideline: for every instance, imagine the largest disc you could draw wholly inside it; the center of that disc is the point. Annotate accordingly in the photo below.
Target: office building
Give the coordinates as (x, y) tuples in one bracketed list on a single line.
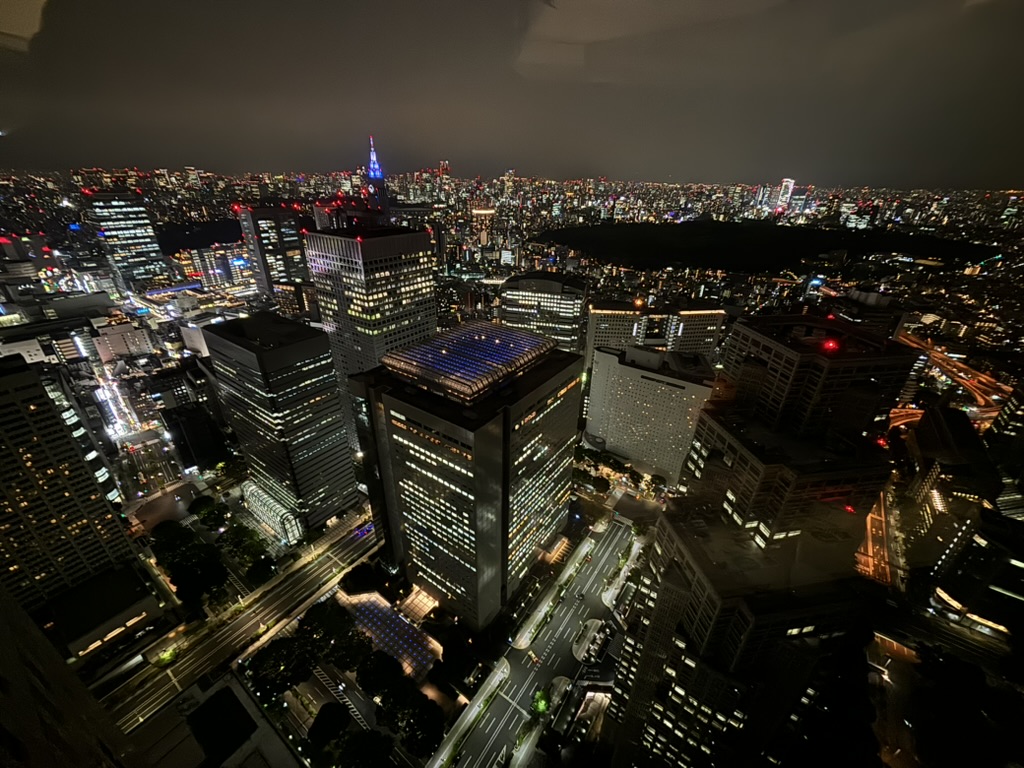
[(785, 193), (619, 325), (126, 227), (549, 303), (469, 443), (375, 290), (810, 375), (980, 574), (57, 523), (47, 717), (273, 238), (218, 266), (280, 395), (721, 642), (775, 485), (644, 406)]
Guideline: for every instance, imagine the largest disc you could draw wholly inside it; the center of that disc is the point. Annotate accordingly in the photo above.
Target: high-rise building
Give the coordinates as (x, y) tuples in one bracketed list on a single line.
[(376, 187), (644, 406), (785, 192), (619, 325), (775, 485), (721, 641), (280, 394), (469, 443), (57, 524), (375, 289), (126, 227), (218, 266), (273, 237), (549, 303), (810, 374), (47, 717)]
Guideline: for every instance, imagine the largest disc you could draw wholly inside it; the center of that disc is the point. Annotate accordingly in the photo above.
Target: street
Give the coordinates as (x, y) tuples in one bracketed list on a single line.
[(151, 688), (496, 731)]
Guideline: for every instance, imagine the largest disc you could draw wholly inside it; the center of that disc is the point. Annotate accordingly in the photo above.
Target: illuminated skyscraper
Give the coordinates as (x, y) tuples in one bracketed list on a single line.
[(126, 228), (548, 303), (375, 290), (469, 443), (785, 192), (376, 187), (57, 526), (280, 394), (273, 238)]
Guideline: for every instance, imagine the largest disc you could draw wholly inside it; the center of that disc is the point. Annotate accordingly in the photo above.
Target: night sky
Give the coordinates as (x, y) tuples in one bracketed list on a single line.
[(875, 92)]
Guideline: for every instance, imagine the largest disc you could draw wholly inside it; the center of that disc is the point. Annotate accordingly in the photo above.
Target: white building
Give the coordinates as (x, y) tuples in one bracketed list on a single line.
[(644, 406)]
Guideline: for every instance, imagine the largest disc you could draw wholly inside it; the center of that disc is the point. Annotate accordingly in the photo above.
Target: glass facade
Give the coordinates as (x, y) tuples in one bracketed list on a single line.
[(126, 228), (279, 392)]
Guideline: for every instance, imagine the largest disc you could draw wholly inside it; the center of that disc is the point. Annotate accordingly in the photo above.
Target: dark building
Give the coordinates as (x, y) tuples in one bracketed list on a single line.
[(47, 717), (468, 442), (980, 575), (721, 642), (814, 375), (279, 392)]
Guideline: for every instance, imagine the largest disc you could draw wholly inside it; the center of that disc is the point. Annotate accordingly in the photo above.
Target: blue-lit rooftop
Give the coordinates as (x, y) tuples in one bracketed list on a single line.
[(469, 360)]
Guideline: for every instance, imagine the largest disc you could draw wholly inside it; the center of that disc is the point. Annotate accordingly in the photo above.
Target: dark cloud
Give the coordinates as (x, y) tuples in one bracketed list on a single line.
[(902, 92)]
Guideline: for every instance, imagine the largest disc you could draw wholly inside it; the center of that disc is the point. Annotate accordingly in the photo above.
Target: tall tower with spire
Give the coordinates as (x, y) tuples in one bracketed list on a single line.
[(376, 186)]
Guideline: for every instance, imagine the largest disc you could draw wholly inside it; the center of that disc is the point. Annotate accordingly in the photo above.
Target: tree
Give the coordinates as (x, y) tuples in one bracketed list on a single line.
[(363, 749), (601, 484), (423, 726), (261, 571), (194, 567), (244, 544), (378, 673), (335, 633), (215, 517), (658, 480), (283, 663), (201, 505), (330, 723)]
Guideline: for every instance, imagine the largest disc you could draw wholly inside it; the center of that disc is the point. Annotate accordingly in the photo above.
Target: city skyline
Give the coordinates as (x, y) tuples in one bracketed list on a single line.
[(764, 90)]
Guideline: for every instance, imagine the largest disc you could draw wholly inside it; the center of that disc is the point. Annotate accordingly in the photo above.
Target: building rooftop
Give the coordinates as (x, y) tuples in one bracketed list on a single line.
[(367, 232), (560, 278), (799, 453), (469, 360), (693, 305), (831, 338), (676, 365), (262, 331)]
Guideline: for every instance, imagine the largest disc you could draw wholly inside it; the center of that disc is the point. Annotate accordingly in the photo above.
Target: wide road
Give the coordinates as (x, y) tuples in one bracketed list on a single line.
[(152, 688), (495, 733)]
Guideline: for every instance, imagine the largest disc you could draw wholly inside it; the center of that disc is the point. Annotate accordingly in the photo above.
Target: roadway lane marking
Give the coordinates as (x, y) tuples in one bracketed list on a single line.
[(513, 703)]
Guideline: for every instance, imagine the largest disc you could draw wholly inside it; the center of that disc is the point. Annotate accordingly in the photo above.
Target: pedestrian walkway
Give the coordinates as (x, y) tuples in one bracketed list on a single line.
[(393, 633)]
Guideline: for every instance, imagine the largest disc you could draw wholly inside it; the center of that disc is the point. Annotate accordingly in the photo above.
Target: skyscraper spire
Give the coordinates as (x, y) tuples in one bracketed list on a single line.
[(373, 170)]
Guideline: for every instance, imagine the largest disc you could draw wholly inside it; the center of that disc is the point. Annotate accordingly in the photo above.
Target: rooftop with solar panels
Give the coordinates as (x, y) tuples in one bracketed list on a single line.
[(470, 360)]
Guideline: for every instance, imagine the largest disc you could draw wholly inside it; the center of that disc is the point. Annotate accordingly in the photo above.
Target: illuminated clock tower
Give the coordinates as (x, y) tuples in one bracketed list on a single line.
[(376, 186)]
